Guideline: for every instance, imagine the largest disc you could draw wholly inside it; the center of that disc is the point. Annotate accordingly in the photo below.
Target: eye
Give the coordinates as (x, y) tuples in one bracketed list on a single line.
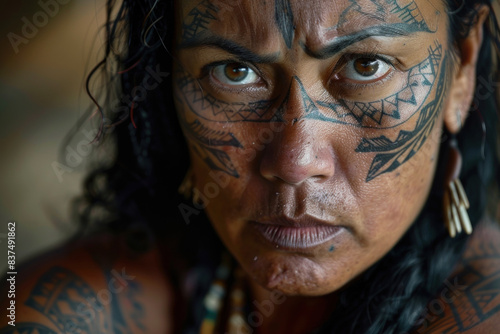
[(365, 69), (234, 74)]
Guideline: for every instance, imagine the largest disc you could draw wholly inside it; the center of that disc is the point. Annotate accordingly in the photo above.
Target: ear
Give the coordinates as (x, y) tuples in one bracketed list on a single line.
[(463, 84)]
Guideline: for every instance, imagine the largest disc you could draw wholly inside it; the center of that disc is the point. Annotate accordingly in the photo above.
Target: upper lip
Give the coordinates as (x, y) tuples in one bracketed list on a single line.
[(299, 222)]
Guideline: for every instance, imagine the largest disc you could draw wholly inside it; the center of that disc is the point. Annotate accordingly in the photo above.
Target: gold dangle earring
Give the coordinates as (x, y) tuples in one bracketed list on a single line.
[(455, 202)]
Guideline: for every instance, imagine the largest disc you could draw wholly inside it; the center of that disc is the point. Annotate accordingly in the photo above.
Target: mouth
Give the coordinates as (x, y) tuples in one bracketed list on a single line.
[(300, 234)]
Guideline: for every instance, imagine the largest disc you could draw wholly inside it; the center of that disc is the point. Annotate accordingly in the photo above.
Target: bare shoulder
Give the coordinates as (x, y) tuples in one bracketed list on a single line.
[(470, 300), (97, 285)]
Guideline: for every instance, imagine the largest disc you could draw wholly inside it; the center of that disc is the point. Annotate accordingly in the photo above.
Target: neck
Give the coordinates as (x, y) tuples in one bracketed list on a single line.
[(272, 311)]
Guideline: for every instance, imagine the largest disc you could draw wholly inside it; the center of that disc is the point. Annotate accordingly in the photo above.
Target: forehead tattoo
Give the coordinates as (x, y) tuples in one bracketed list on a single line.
[(284, 20), (198, 19), (388, 11), (384, 17)]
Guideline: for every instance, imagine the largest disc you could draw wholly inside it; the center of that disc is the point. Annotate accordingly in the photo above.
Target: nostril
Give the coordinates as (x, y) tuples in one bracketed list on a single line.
[(295, 162)]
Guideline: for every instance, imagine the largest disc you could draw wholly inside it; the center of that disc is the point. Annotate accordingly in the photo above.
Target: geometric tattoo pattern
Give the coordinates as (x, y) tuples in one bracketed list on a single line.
[(478, 296), (136, 314), (392, 154), (27, 328), (69, 302), (480, 301), (284, 20), (127, 313), (210, 108), (410, 14), (200, 17), (121, 323), (205, 143), (406, 12), (372, 114), (382, 114)]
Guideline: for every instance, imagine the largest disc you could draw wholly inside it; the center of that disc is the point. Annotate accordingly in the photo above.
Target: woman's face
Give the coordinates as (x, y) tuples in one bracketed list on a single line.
[(313, 128)]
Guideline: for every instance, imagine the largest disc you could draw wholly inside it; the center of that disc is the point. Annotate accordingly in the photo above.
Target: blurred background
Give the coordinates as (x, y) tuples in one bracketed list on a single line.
[(46, 49)]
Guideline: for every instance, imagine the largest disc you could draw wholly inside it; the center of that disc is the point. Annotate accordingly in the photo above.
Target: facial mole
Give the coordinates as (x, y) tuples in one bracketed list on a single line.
[(332, 248)]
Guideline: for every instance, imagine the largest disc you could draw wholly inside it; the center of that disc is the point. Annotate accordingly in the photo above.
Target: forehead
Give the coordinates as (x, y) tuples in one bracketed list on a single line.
[(258, 23)]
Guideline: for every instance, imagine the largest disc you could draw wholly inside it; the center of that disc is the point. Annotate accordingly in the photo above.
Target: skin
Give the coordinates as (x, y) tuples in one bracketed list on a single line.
[(310, 165), (309, 150), (97, 285), (145, 302), (471, 282)]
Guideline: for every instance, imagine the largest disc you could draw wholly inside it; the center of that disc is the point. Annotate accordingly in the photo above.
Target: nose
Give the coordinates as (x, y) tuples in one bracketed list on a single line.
[(300, 151)]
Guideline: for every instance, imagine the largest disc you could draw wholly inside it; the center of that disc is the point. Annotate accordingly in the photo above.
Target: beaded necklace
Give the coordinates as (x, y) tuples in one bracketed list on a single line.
[(213, 301)]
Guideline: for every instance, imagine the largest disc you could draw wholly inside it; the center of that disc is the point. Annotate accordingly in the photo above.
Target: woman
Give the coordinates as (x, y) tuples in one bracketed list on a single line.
[(325, 142)]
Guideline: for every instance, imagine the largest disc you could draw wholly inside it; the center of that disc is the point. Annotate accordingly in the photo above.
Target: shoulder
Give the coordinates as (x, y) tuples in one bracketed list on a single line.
[(469, 301), (95, 285)]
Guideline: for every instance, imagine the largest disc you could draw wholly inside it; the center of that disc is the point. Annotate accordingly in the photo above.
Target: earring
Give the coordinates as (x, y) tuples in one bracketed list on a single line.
[(455, 202)]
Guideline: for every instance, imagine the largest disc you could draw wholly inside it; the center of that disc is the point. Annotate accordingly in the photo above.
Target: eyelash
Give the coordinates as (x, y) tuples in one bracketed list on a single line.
[(367, 85), (207, 70)]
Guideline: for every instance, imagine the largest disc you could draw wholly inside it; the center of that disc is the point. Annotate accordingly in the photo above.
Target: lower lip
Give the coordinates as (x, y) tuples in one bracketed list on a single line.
[(287, 237)]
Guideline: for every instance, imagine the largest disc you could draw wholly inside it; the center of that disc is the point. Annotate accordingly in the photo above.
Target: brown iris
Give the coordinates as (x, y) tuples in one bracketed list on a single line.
[(366, 66), (236, 72)]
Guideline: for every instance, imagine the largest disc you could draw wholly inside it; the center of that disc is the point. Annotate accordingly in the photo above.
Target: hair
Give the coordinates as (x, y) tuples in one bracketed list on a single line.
[(138, 186)]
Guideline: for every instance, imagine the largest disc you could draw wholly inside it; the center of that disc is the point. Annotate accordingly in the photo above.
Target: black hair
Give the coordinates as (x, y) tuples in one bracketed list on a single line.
[(138, 187)]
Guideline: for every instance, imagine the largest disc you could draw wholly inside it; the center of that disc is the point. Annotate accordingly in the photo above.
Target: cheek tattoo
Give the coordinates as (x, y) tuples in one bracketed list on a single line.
[(206, 143), (392, 154), (210, 108), (398, 107)]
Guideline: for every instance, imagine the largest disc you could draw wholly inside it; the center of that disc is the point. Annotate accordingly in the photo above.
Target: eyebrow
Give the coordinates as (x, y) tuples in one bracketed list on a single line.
[(341, 43), (231, 47)]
